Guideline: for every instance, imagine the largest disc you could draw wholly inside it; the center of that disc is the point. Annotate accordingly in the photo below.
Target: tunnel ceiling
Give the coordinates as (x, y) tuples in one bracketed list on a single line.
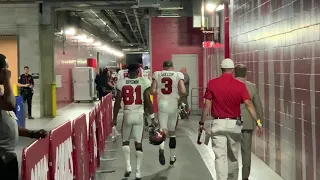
[(124, 23), (127, 28)]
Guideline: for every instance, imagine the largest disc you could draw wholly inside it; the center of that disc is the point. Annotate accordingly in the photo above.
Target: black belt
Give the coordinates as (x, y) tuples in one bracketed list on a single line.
[(234, 118)]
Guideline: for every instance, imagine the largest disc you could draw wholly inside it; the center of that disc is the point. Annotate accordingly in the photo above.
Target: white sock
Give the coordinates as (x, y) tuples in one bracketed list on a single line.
[(172, 154), (126, 152), (162, 145), (139, 156)]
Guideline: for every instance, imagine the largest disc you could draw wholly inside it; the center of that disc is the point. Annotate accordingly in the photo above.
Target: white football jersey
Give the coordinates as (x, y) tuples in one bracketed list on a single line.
[(132, 93), (123, 73), (146, 73), (115, 76), (168, 83)]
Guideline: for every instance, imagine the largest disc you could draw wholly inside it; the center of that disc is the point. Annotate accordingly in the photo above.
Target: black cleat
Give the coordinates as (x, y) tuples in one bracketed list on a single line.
[(127, 173), (138, 179), (162, 159), (172, 162)]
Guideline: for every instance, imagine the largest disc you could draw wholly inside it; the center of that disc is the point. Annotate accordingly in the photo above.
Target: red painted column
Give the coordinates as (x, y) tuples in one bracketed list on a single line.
[(226, 30)]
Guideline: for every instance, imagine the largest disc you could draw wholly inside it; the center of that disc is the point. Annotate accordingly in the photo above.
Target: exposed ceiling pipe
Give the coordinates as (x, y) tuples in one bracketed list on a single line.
[(18, 2), (89, 28), (138, 24), (111, 14), (71, 8), (64, 1), (147, 30), (125, 13), (119, 25), (107, 23), (132, 50)]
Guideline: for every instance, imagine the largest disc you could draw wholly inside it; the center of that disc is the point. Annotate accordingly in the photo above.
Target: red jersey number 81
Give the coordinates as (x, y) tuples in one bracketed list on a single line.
[(128, 93)]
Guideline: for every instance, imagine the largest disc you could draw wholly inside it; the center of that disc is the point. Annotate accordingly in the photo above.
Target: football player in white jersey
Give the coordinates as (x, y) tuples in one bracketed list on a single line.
[(123, 73), (169, 86), (115, 76), (146, 72), (135, 93)]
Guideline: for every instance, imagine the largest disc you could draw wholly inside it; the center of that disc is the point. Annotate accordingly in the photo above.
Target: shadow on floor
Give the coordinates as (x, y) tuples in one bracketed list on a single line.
[(161, 175)]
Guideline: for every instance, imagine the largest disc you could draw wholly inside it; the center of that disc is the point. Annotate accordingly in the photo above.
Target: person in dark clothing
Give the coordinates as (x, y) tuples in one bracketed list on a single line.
[(103, 82), (98, 82), (9, 168), (108, 83), (184, 99), (26, 85)]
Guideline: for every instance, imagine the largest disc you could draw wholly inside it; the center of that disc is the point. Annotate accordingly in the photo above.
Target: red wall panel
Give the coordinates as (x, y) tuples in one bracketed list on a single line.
[(67, 57), (278, 40), (175, 36)]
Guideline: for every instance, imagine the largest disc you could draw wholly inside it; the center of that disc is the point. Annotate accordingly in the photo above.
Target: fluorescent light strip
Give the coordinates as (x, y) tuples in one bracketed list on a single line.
[(220, 7), (83, 38), (210, 7), (170, 8), (169, 16), (112, 51)]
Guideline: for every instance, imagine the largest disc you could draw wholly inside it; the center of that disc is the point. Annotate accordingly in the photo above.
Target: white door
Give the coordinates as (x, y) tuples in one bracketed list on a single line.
[(190, 62), (81, 84)]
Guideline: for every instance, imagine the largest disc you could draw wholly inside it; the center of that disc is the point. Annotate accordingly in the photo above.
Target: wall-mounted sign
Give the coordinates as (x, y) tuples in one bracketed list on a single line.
[(35, 75), (211, 44), (207, 44)]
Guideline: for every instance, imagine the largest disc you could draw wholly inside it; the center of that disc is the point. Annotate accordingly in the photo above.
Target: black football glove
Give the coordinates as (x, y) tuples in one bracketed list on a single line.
[(38, 134)]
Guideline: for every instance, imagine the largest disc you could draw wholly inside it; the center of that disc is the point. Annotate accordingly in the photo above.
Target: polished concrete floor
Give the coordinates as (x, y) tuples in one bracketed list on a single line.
[(193, 161)]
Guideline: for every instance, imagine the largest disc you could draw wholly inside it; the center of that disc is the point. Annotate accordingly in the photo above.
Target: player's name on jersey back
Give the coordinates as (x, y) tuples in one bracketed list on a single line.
[(132, 81), (167, 73)]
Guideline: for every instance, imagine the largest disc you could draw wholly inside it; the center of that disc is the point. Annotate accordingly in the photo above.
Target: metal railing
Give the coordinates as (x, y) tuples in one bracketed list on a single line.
[(196, 99)]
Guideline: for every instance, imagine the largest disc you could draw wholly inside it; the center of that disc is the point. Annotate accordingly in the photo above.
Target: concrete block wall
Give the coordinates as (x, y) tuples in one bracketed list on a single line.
[(22, 20), (278, 40)]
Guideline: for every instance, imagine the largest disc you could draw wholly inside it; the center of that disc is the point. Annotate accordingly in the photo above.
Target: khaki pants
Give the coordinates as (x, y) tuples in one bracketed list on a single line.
[(226, 138), (246, 144)]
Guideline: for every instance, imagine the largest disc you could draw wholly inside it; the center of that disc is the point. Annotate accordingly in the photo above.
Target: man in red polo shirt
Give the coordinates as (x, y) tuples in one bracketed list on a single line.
[(224, 95)]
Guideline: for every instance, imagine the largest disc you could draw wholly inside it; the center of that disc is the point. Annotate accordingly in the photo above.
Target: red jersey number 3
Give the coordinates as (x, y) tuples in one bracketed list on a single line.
[(167, 85)]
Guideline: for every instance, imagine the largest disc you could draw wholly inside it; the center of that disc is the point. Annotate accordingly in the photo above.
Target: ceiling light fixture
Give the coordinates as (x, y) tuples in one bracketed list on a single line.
[(70, 31), (220, 7), (105, 48), (170, 8), (169, 15), (97, 44), (82, 37), (89, 40), (210, 7)]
